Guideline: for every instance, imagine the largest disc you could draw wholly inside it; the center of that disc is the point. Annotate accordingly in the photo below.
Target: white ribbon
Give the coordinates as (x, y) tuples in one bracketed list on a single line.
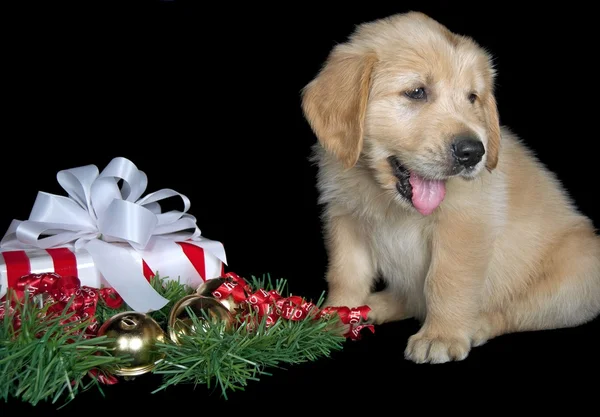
[(98, 213)]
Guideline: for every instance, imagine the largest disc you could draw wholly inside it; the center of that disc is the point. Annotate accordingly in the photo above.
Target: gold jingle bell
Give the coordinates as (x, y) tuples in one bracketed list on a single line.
[(135, 335), (202, 307), (207, 288)]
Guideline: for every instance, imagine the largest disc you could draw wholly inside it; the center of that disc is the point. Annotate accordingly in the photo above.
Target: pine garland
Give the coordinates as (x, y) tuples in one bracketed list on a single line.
[(231, 359), (46, 358)]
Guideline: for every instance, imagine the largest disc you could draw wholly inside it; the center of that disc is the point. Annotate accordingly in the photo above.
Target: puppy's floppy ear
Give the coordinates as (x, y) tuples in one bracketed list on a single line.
[(335, 102), (493, 132)]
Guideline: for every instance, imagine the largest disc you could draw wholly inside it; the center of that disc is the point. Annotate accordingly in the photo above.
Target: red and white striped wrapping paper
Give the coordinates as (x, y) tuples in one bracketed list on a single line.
[(191, 265)]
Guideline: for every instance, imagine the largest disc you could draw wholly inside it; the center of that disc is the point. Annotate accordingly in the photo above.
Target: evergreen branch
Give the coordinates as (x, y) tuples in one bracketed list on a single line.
[(230, 359), (47, 356)]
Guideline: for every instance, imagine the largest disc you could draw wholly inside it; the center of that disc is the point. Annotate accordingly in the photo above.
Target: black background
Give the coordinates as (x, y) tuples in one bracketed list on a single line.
[(205, 100)]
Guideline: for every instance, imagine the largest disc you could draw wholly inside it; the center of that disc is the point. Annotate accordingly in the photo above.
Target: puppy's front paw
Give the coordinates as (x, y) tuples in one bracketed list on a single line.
[(425, 347)]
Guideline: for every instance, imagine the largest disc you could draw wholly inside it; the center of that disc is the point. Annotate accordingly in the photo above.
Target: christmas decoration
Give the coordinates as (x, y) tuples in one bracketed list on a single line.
[(56, 334), (82, 303), (237, 295), (62, 294), (202, 307), (133, 335), (224, 288), (270, 329), (48, 347)]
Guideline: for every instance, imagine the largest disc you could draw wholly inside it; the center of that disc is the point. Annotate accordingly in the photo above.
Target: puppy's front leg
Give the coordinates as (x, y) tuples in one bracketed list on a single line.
[(460, 255), (351, 270)]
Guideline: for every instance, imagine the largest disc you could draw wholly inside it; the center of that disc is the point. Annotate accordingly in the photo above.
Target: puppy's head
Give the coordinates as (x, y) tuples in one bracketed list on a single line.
[(411, 101)]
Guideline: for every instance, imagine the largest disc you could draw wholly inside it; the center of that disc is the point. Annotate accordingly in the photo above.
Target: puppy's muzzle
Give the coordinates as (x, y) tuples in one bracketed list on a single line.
[(467, 151)]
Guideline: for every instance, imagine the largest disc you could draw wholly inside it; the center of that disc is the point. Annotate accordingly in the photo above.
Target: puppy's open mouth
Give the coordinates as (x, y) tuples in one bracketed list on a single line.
[(424, 194)]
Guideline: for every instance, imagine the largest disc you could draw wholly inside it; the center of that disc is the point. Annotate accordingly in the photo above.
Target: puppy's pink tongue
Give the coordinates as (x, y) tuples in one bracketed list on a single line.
[(426, 194)]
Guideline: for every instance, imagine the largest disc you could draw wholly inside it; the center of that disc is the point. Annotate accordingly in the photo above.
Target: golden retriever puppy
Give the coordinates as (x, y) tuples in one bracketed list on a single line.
[(420, 185)]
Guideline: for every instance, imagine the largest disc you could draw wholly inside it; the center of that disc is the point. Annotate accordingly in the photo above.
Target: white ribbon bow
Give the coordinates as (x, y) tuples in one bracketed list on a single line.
[(98, 213)]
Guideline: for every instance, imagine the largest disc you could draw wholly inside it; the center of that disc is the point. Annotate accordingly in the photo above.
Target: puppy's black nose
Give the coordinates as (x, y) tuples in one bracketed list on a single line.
[(467, 151)]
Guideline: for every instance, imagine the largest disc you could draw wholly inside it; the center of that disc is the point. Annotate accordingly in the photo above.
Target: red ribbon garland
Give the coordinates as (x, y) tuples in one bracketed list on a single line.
[(274, 306), (60, 292)]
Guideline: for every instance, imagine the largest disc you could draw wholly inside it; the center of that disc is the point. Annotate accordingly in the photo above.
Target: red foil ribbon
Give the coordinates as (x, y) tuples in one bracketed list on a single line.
[(275, 307), (62, 291)]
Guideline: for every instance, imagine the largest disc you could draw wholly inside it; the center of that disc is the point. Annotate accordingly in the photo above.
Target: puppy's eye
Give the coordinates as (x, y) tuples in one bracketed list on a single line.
[(416, 94), (472, 97)]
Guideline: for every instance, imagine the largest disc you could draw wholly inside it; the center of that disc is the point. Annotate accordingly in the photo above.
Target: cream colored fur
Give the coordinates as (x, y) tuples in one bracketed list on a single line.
[(506, 251)]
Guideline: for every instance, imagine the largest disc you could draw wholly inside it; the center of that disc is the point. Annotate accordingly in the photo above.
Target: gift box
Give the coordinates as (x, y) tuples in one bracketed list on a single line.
[(107, 234)]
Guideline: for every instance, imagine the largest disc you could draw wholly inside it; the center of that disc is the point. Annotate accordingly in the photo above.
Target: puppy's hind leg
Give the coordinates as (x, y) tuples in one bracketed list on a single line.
[(566, 293)]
